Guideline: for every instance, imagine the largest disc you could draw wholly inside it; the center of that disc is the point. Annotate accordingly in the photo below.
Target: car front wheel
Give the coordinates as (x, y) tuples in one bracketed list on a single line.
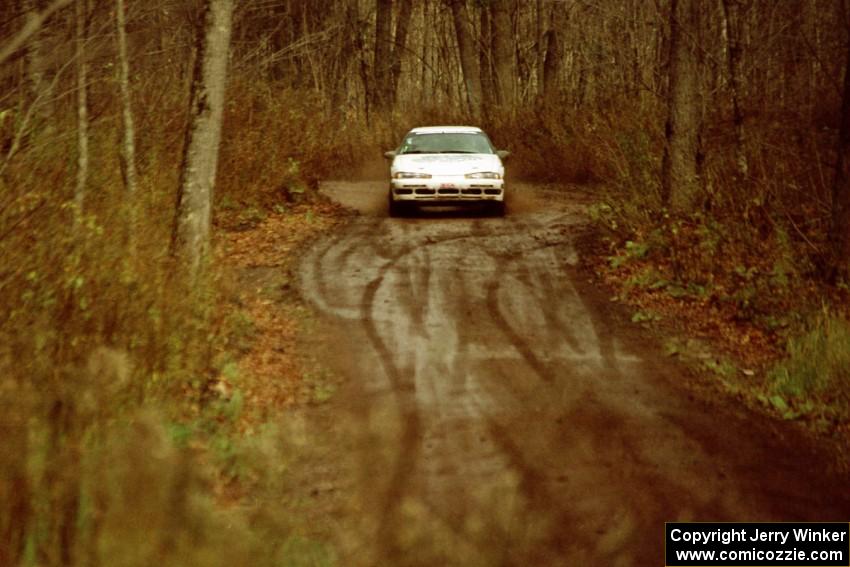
[(396, 209)]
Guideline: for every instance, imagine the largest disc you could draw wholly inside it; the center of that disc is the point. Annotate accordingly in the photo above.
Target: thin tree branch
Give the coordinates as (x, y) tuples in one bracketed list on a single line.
[(32, 25)]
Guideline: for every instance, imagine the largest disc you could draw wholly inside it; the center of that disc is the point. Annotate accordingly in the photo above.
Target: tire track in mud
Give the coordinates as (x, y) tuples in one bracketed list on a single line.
[(555, 539), (532, 481), (507, 374), (403, 388), (533, 484), (602, 325), (522, 346), (353, 242), (454, 386), (374, 235), (406, 460), (503, 255)]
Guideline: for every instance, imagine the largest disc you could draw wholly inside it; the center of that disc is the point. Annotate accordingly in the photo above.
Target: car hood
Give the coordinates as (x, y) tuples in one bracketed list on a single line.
[(447, 164)]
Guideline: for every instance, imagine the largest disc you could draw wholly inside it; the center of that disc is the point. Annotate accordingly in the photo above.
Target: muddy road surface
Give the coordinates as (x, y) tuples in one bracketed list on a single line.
[(495, 408)]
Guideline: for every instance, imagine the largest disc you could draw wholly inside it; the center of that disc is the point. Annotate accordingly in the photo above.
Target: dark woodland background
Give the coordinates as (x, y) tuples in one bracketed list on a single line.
[(714, 135)]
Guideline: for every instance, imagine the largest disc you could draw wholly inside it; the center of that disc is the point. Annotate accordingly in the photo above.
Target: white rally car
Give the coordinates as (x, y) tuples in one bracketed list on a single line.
[(446, 165)]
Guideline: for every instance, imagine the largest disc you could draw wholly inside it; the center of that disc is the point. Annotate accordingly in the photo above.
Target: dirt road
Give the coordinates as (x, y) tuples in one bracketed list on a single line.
[(495, 408)]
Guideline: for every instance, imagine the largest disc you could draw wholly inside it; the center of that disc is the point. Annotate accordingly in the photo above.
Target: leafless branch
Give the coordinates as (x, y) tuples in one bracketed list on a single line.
[(32, 25)]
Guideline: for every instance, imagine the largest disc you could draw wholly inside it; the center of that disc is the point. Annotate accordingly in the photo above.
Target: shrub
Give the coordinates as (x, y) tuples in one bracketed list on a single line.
[(114, 450), (817, 367)]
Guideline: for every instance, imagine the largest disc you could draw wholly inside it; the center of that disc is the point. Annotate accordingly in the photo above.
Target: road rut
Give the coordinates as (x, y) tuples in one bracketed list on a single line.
[(497, 411)]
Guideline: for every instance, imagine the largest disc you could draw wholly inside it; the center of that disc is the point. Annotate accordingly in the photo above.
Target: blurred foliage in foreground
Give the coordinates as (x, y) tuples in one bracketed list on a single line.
[(116, 449)]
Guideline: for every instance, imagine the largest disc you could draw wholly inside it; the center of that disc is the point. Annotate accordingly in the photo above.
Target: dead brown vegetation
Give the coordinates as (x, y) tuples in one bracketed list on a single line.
[(109, 362)]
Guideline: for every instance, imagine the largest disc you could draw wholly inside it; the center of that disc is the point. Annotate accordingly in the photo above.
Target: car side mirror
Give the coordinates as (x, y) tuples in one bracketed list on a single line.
[(503, 154), (390, 154)]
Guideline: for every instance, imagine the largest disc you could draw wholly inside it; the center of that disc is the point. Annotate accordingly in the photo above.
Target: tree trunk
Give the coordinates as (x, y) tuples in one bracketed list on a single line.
[(399, 45), (360, 47), (191, 231), (32, 25), (553, 59), (39, 89), (468, 62), (840, 237), (551, 65), (381, 65), (426, 51), (82, 105), (15, 492), (485, 57), (342, 58), (128, 143), (732, 27), (503, 53), (679, 177), (540, 44)]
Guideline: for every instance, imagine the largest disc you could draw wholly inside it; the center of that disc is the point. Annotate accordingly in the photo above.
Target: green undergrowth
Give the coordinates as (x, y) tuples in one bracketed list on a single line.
[(732, 287), (744, 268), (700, 258), (815, 375)]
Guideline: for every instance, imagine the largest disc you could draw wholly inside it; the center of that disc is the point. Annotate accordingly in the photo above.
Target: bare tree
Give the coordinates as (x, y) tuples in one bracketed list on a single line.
[(128, 145), (382, 64), (363, 66), (191, 231), (485, 57), (399, 45), (80, 18), (553, 56), (17, 499), (342, 57), (33, 24), (540, 45), (504, 53), (468, 62), (732, 28), (39, 89), (679, 169), (840, 233)]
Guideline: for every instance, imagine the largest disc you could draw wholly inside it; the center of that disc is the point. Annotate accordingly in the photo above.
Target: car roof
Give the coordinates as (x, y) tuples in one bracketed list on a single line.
[(445, 130)]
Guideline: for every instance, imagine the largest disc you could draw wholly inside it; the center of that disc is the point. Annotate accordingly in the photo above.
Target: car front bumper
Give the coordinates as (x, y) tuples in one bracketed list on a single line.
[(447, 189)]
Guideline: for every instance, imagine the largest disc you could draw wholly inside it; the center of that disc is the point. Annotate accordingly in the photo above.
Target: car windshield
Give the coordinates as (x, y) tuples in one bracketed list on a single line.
[(446, 143)]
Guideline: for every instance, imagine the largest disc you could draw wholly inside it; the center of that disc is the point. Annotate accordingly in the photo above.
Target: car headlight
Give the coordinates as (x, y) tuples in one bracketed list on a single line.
[(484, 175), (411, 175)]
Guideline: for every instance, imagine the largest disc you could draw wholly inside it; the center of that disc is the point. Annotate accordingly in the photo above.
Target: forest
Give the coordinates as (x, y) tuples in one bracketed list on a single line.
[(135, 135)]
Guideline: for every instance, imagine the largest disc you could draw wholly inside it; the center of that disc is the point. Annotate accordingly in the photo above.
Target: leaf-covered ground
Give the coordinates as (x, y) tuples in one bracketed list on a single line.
[(270, 374), (737, 353)]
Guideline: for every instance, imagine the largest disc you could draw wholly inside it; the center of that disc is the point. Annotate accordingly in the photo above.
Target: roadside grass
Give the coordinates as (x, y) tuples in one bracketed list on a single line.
[(133, 428), (741, 274), (139, 451), (815, 375)]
